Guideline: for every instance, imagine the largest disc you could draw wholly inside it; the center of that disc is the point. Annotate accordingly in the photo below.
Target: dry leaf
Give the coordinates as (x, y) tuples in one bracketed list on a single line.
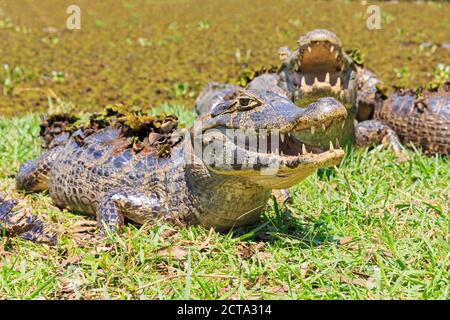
[(345, 240), (4, 254), (357, 282), (167, 233), (304, 268), (208, 239), (244, 251), (82, 230), (261, 279), (282, 289), (371, 283), (360, 274), (71, 260), (258, 246), (174, 252), (386, 254), (224, 290), (368, 282), (265, 255)]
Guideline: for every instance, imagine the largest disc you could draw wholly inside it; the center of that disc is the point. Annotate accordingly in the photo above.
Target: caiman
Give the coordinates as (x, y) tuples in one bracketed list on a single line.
[(321, 68), (420, 117), (186, 187)]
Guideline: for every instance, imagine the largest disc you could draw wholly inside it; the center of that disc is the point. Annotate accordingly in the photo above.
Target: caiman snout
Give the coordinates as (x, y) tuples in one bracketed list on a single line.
[(321, 114)]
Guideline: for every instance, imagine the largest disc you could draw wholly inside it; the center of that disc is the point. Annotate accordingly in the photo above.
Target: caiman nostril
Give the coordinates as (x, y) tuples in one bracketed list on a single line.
[(322, 112)]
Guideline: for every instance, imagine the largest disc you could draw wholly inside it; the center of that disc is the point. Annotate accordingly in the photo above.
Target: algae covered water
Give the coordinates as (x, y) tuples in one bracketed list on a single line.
[(146, 53)]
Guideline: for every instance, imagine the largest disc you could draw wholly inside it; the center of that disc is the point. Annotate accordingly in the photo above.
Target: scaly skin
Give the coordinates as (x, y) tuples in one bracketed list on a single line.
[(320, 68), (425, 123), (184, 188)]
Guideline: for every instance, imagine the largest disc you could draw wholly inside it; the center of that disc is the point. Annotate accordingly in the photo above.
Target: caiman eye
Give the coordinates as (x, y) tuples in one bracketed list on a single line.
[(247, 103), (243, 102)]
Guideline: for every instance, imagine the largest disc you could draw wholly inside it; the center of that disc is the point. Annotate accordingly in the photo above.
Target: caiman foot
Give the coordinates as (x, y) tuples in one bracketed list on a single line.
[(373, 132), (19, 222), (138, 207)]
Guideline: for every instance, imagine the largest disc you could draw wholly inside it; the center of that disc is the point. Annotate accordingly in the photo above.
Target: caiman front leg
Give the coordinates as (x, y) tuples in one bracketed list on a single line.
[(33, 174), (373, 132), (139, 207)]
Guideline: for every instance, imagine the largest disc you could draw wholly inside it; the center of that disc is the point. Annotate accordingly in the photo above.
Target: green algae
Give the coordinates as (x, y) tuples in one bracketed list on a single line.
[(139, 131), (441, 76), (135, 52), (356, 55)]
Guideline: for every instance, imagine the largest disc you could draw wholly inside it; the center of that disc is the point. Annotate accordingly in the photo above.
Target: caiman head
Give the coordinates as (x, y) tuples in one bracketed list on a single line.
[(321, 68), (252, 136)]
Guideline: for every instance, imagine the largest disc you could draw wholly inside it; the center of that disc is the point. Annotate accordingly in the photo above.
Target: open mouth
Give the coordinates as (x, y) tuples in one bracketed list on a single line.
[(291, 145), (293, 152), (283, 146), (321, 68)]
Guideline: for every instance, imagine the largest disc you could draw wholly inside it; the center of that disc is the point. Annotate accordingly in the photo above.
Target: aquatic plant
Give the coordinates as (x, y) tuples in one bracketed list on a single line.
[(12, 76)]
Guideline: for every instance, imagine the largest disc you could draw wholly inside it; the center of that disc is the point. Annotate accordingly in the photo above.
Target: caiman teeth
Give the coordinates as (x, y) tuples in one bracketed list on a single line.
[(337, 143), (337, 87), (304, 87), (303, 148), (303, 82), (319, 85), (331, 49), (343, 125), (324, 128), (309, 49), (313, 129), (282, 137), (331, 146)]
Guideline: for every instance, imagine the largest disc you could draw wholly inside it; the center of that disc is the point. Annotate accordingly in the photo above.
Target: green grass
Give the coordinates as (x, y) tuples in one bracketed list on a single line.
[(369, 229)]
